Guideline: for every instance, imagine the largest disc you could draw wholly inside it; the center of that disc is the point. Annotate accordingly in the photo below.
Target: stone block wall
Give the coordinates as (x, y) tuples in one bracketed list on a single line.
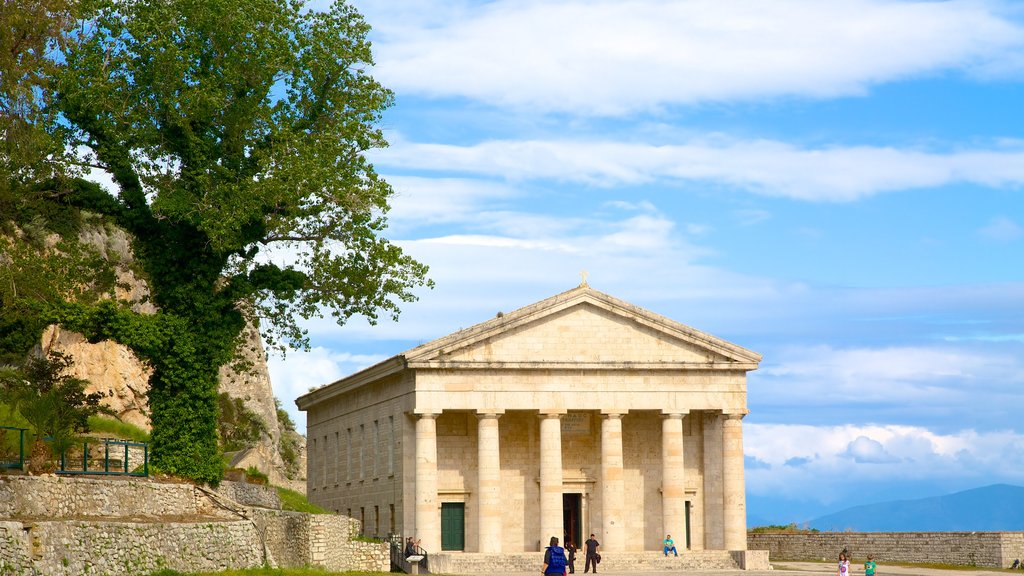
[(297, 539), (988, 549), (115, 527), (14, 558), (247, 494), (67, 548), (49, 497)]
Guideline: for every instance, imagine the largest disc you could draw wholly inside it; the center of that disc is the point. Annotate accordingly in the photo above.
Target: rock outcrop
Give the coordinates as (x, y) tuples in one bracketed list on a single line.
[(115, 371)]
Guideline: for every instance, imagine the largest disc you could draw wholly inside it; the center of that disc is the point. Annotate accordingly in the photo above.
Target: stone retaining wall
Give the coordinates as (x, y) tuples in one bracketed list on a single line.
[(987, 549), (124, 527), (50, 497), (250, 494)]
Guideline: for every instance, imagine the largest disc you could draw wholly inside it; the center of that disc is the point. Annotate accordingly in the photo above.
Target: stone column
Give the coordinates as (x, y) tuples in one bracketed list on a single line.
[(733, 488), (488, 483), (673, 489), (428, 521), (550, 477), (713, 538), (613, 494)]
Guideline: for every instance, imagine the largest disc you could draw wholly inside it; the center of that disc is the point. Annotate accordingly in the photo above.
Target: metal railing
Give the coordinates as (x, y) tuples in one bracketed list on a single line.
[(7, 449), (117, 458)]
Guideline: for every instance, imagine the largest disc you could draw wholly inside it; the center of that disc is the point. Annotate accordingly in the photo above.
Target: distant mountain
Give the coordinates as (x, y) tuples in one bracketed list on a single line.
[(999, 507)]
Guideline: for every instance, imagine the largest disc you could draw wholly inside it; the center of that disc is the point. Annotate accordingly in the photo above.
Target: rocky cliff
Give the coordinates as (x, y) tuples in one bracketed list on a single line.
[(115, 371)]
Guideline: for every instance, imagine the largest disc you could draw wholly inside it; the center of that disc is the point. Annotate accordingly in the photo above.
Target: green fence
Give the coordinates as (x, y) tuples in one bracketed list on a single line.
[(109, 456), (12, 447)]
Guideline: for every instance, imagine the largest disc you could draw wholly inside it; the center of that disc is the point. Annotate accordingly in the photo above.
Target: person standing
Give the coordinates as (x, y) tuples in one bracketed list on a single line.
[(571, 549), (593, 553), (844, 565), (669, 545), (554, 558), (870, 566)]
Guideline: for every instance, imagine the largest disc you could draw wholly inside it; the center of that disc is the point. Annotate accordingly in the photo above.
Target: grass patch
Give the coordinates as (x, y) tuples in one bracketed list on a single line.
[(292, 500), (116, 428)]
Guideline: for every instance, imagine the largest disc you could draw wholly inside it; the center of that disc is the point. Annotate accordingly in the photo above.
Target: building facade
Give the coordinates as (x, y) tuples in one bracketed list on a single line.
[(578, 414)]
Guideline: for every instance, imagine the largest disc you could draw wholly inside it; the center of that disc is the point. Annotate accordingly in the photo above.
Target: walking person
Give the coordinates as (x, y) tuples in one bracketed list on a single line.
[(571, 549), (593, 548), (554, 558)]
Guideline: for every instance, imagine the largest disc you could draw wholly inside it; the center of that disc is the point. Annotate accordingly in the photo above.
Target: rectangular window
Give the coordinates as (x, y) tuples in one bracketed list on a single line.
[(312, 450), (323, 456), (391, 447), (362, 521), (376, 521), (348, 460), (375, 449), (362, 451), (337, 457), (391, 510)]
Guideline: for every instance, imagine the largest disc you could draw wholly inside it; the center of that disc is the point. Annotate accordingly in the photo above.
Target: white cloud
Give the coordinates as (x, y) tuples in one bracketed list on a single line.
[(833, 460), (609, 57), (429, 201), (864, 450), (765, 167), (302, 371), (914, 377), (1001, 229)]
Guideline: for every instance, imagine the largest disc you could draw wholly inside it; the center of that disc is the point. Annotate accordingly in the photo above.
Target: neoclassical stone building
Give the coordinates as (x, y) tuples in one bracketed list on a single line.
[(575, 415)]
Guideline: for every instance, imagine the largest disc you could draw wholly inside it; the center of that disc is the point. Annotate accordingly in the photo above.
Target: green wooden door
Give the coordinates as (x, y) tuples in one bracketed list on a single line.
[(453, 526)]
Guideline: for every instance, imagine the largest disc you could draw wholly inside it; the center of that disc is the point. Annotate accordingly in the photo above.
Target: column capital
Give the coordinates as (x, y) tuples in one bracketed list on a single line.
[(427, 414), (552, 413), (735, 415), (613, 414), (487, 414), (674, 413)]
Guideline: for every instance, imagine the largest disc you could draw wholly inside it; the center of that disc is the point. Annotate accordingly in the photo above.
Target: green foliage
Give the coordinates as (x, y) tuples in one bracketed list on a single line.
[(292, 500), (255, 476), (116, 429), (228, 128), (238, 426), (283, 419), (54, 404), (288, 446)]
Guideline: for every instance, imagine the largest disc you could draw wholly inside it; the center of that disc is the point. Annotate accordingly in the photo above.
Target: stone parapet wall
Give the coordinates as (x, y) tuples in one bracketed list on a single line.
[(255, 495), (988, 549), (54, 497)]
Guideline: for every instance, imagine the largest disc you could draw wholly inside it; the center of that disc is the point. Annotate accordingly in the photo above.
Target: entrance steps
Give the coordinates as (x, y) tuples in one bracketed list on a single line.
[(617, 562)]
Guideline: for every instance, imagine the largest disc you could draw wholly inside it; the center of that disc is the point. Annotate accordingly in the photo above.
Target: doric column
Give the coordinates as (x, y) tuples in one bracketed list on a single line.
[(488, 483), (428, 522), (733, 487), (613, 495), (673, 490), (550, 477)]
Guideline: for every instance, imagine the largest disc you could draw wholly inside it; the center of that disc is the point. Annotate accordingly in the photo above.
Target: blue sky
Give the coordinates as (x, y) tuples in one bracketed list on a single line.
[(836, 185)]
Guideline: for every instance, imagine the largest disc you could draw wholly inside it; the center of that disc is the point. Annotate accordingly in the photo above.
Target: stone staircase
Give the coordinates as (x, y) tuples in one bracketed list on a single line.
[(611, 562)]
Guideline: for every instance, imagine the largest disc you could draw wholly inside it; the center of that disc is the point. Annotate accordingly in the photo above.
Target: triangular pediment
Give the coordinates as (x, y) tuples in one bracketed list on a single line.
[(581, 327)]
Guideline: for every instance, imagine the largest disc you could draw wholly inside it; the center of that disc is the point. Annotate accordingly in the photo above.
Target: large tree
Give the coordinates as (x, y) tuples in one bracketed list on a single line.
[(234, 132)]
